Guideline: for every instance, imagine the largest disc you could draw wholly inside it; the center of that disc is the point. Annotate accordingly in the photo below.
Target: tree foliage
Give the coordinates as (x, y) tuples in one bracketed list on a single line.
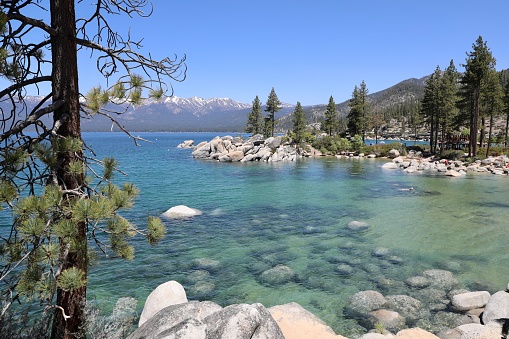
[(299, 124), (358, 115), (63, 199), (330, 123), (479, 63), (254, 123), (272, 107)]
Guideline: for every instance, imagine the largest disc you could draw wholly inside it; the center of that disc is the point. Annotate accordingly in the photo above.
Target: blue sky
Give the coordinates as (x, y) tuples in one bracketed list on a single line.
[(310, 50)]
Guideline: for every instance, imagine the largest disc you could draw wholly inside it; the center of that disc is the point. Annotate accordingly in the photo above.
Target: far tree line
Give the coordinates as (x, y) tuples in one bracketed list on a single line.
[(457, 111)]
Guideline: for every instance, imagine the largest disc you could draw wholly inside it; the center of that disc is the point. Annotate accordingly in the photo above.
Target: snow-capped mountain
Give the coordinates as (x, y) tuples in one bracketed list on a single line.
[(172, 114), (200, 106)]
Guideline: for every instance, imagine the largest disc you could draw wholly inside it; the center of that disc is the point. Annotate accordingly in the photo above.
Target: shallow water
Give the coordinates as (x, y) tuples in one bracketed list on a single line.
[(260, 215)]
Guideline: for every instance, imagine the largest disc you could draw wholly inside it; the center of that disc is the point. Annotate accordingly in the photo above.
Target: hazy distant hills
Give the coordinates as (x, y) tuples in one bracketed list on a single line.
[(223, 114)]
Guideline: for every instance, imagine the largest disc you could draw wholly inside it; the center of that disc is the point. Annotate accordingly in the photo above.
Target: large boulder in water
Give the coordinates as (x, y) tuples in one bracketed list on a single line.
[(167, 294), (181, 211)]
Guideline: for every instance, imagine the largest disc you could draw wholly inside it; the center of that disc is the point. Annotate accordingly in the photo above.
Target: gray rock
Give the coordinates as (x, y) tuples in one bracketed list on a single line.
[(273, 142), (381, 252), (391, 320), (361, 303), (206, 264), (470, 300), (277, 275), (418, 282), (441, 279), (186, 144), (410, 308), (236, 155), (242, 321), (344, 269), (171, 316), (393, 153), (497, 307)]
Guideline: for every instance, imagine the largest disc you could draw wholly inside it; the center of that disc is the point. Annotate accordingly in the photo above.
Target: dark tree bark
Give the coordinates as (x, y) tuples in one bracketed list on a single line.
[(68, 321)]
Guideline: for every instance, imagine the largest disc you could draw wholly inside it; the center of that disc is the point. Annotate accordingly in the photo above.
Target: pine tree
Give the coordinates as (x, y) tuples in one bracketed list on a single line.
[(478, 64), (491, 101), (299, 124), (61, 204), (330, 123), (254, 123), (273, 105), (505, 101), (357, 118)]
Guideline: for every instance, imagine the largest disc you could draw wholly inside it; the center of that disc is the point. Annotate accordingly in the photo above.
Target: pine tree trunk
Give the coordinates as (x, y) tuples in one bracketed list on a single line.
[(65, 87)]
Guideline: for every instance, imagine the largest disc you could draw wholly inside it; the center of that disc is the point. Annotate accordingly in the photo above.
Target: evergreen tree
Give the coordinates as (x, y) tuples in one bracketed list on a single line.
[(254, 123), (491, 101), (273, 105), (299, 124), (358, 117), (505, 101), (61, 204), (478, 64), (330, 123), (449, 97)]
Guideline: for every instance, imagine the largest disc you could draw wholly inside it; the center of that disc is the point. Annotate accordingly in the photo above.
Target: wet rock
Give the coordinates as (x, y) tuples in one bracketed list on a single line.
[(433, 299), (391, 320), (381, 252), (277, 275), (441, 279), (357, 225), (418, 282), (361, 303), (410, 308), (206, 264), (344, 269)]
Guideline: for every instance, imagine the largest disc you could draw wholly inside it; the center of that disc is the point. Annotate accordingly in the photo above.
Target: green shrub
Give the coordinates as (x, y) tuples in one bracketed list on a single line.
[(453, 154)]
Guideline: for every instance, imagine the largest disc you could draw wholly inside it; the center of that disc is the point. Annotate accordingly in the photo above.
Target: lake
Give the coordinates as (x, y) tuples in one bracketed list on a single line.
[(257, 216)]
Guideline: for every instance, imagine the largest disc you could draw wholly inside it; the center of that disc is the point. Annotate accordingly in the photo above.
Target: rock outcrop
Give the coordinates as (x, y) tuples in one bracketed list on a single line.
[(255, 148)]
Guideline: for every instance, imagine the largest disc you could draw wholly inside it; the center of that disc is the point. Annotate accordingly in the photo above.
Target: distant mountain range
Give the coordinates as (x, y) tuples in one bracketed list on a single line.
[(222, 114)]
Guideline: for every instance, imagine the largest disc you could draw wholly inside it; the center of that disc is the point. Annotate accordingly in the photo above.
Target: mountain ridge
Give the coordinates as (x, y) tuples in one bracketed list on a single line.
[(196, 114)]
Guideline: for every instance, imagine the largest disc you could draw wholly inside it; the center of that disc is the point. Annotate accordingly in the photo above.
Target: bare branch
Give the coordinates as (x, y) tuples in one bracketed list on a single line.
[(32, 119), (24, 83)]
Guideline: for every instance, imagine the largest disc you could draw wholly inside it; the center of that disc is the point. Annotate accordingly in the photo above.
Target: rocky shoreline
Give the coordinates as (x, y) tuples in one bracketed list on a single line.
[(477, 315), (273, 149), (414, 163)]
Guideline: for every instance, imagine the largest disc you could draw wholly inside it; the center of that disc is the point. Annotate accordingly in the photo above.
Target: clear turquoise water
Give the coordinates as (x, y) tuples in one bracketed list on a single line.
[(259, 215)]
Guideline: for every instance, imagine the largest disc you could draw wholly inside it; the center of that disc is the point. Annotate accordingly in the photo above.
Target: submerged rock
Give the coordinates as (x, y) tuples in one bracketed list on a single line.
[(357, 225), (364, 302), (277, 275)]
